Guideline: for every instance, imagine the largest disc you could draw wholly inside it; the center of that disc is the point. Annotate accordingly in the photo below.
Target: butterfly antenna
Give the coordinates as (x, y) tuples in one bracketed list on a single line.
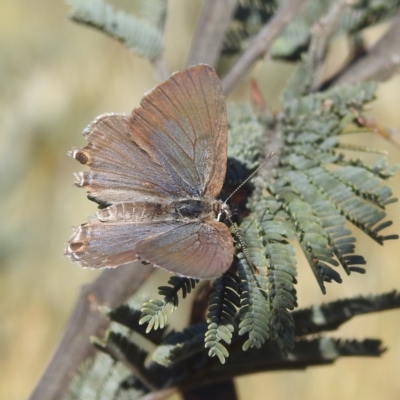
[(234, 225), (242, 245), (251, 175)]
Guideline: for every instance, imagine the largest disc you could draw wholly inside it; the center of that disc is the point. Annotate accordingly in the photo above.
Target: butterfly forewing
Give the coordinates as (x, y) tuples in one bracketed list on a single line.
[(183, 121), (120, 171)]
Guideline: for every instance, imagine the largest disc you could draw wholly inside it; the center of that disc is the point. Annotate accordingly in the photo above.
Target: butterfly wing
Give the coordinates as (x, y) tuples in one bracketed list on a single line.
[(120, 171), (192, 249), (183, 122), (98, 245), (173, 146), (110, 240)]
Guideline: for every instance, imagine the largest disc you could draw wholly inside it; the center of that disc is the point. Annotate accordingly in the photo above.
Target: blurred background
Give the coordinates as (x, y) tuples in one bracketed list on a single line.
[(55, 77)]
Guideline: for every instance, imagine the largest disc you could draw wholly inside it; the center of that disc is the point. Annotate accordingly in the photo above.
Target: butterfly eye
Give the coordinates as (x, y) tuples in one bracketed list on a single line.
[(221, 216)]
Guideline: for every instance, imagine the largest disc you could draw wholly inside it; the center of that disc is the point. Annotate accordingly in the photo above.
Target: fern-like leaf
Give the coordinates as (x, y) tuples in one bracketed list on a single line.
[(138, 35), (223, 303), (127, 352), (362, 214), (331, 221), (275, 231), (330, 316), (254, 301), (244, 148), (101, 375), (177, 283), (180, 347), (130, 317), (318, 198), (154, 312), (153, 11), (365, 184)]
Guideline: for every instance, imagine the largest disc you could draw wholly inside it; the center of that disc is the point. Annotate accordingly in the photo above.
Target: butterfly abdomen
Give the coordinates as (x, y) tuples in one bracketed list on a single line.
[(134, 212)]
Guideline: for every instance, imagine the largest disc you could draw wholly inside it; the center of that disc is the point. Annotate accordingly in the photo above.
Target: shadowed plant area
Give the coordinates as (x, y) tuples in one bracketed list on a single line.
[(307, 217)]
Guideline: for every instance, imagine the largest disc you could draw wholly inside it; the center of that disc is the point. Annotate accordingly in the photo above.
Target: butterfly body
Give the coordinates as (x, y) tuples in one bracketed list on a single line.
[(182, 210), (158, 172)]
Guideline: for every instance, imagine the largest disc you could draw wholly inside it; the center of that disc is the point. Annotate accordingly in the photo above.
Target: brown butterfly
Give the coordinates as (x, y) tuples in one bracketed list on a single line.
[(158, 172)]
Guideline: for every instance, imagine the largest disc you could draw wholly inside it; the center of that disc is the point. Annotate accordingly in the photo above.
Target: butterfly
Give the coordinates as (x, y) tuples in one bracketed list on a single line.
[(156, 175)]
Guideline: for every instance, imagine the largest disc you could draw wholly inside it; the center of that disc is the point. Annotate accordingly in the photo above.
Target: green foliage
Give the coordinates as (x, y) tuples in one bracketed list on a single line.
[(154, 312), (254, 306), (310, 194), (221, 314), (142, 36), (153, 11), (181, 347), (313, 190), (180, 358), (294, 41), (318, 198), (126, 315), (249, 17), (330, 316), (246, 131), (275, 233), (102, 375)]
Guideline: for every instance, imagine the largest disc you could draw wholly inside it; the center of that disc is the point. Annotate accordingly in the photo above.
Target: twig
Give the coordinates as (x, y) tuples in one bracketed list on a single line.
[(306, 353), (221, 390), (200, 302), (322, 34), (261, 43), (209, 35), (380, 63), (111, 289), (117, 354), (159, 64), (160, 69)]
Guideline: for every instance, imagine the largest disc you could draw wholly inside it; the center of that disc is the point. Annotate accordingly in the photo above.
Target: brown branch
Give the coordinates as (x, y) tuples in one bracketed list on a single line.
[(321, 36), (213, 22), (119, 355), (200, 303), (380, 63), (159, 64), (160, 69), (260, 45), (110, 289)]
